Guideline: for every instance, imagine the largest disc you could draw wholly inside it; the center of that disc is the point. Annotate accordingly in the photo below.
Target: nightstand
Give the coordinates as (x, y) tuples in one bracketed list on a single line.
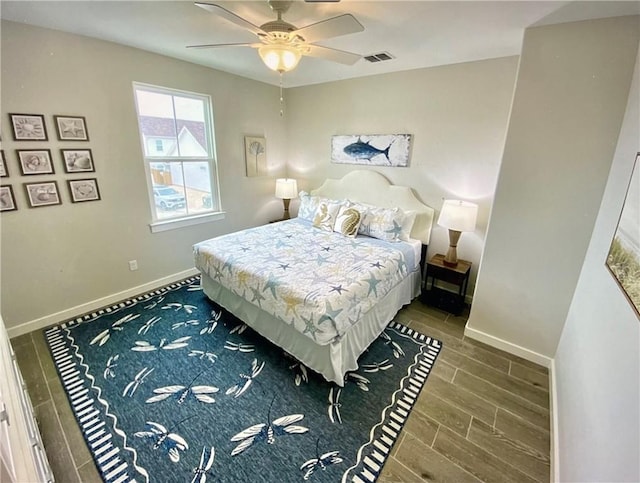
[(458, 276)]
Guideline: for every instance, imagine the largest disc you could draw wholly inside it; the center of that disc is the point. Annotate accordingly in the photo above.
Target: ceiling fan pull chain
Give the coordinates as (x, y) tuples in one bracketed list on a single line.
[(281, 97)]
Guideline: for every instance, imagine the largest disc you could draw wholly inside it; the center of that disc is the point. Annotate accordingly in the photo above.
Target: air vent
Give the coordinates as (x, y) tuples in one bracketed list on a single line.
[(382, 56)]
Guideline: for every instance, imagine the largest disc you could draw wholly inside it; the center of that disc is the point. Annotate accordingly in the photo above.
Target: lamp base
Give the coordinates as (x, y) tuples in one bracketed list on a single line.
[(451, 258), (286, 215)]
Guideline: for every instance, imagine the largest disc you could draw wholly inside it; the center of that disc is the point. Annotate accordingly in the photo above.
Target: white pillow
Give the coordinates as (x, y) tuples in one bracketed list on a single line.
[(325, 215), (348, 221), (407, 225), (390, 224)]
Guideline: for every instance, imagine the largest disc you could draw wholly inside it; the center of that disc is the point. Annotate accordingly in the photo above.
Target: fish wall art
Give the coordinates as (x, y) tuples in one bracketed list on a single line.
[(371, 149)]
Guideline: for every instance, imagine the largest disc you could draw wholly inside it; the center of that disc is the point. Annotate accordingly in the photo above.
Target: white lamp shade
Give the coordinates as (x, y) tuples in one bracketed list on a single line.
[(286, 188), (281, 58), (458, 215)]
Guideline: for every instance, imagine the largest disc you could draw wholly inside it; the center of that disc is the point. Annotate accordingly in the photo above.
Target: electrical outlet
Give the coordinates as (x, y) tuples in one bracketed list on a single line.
[(133, 265)]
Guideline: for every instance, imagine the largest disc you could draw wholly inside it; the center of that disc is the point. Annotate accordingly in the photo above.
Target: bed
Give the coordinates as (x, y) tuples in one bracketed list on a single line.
[(323, 295)]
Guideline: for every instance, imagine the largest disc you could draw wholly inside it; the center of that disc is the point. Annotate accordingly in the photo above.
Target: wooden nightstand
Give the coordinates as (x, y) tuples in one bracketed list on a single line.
[(445, 299)]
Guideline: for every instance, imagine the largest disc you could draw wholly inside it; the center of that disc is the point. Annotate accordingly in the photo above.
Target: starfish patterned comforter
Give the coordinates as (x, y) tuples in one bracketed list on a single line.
[(317, 281)]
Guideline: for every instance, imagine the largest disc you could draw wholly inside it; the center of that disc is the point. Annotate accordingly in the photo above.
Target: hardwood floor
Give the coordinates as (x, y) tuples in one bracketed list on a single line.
[(483, 415)]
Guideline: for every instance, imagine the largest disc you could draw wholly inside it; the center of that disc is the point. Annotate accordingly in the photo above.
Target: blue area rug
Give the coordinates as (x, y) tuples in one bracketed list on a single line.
[(168, 387)]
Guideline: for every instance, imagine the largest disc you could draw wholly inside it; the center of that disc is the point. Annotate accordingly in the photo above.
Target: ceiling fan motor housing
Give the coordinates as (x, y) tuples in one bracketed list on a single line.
[(278, 26)]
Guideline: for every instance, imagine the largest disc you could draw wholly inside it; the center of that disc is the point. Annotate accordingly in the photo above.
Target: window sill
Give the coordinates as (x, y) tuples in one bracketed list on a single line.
[(176, 223)]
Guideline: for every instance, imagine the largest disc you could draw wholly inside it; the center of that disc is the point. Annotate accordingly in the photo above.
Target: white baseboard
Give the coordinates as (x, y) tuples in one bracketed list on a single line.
[(509, 347), (72, 312), (553, 410)]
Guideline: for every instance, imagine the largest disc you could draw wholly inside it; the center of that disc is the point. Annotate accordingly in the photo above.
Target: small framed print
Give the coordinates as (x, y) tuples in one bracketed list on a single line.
[(35, 161), (28, 127), (84, 190), (42, 194), (71, 128), (77, 160), (7, 200), (255, 155), (3, 165)]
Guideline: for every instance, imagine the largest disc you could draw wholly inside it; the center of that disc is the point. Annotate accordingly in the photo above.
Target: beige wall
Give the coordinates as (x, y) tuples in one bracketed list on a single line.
[(598, 358), (59, 257), (570, 99), (457, 115)]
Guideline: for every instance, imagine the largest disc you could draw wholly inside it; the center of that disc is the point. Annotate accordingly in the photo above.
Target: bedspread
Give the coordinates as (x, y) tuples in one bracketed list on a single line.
[(317, 281)]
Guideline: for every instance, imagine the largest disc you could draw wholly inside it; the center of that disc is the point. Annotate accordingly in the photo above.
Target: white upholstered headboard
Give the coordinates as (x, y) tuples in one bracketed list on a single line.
[(373, 188)]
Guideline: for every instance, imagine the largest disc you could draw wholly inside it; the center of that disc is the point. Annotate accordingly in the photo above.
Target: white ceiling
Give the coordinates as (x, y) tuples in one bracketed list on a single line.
[(417, 33)]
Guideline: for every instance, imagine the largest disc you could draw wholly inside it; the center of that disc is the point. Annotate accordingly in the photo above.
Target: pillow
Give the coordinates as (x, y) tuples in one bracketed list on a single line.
[(347, 221), (325, 215), (407, 225), (308, 206), (389, 224)]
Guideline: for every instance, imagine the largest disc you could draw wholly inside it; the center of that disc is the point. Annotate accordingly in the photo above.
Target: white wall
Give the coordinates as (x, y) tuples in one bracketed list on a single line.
[(59, 257), (457, 115), (597, 365), (571, 93)]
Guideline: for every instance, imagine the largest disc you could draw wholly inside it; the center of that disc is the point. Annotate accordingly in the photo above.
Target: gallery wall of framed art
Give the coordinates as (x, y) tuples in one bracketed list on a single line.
[(38, 166)]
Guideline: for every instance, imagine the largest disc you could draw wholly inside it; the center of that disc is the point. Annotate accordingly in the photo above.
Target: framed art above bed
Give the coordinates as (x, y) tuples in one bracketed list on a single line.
[(317, 293)]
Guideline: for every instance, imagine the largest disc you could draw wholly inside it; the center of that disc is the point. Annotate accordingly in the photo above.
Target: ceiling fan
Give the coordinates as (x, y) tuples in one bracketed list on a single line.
[(281, 44)]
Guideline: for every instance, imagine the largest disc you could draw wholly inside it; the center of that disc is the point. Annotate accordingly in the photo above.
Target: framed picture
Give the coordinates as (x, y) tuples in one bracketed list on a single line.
[(42, 194), (35, 161), (7, 200), (623, 260), (372, 149), (84, 190), (28, 127), (77, 160), (255, 155), (3, 165), (71, 128)]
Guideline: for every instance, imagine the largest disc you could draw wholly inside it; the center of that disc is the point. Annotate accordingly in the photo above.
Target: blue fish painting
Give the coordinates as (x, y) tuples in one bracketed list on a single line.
[(363, 150), (371, 150)]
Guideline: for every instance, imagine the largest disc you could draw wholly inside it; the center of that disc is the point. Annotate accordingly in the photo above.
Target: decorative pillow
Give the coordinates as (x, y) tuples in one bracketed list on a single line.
[(347, 221), (308, 206), (390, 224), (407, 225), (325, 215)]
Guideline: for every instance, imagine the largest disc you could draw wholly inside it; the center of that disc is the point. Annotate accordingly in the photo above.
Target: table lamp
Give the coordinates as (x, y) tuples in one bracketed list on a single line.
[(457, 216), (286, 189)]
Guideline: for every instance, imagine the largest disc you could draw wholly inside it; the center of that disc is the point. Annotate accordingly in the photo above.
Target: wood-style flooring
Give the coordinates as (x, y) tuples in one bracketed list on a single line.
[(483, 415)]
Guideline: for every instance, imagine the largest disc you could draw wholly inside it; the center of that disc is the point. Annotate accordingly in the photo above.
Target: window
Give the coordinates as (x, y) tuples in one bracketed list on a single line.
[(176, 132)]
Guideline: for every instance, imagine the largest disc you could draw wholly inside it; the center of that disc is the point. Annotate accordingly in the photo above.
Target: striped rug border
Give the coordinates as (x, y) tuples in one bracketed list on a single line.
[(386, 435)]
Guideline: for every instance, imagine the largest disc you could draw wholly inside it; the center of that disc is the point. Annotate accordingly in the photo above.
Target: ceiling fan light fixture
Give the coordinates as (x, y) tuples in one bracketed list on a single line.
[(280, 57)]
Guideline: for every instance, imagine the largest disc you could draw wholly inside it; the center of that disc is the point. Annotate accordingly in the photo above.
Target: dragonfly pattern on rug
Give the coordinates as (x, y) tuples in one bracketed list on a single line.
[(171, 443), (181, 393), (225, 378), (268, 431), (206, 462)]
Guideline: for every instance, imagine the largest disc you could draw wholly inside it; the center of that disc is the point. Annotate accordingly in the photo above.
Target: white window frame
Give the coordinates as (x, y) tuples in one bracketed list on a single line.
[(163, 224)]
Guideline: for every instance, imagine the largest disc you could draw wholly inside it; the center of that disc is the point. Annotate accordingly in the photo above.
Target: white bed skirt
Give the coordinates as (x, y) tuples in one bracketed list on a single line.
[(332, 360)]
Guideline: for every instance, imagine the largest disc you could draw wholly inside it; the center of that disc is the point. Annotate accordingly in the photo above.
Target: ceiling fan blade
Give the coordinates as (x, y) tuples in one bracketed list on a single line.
[(340, 56), (332, 27), (230, 16), (213, 46)]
